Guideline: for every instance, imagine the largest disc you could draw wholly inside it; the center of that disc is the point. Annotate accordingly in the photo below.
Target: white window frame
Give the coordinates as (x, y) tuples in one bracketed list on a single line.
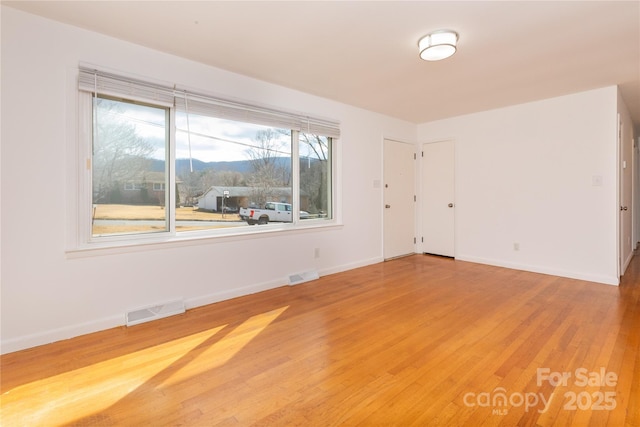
[(81, 241)]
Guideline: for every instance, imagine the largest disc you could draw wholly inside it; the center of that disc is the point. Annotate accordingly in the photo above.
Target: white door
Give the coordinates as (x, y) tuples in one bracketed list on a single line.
[(438, 205), (399, 199), (625, 154)]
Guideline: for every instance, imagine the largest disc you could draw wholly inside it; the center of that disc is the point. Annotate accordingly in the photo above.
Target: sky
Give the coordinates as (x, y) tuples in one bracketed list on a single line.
[(203, 138)]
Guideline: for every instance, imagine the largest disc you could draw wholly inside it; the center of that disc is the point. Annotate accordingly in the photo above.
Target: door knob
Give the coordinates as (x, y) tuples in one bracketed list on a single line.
[(623, 208), (387, 206), (450, 205)]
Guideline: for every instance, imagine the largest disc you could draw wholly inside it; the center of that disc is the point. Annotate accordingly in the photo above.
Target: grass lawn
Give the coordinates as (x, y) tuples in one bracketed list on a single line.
[(156, 212), (131, 212)]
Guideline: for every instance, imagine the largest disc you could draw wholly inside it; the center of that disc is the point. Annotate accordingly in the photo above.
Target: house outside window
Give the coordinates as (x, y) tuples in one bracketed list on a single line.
[(132, 186)]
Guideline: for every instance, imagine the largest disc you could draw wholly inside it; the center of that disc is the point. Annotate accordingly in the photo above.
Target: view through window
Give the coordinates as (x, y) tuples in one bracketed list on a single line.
[(128, 168), (227, 173)]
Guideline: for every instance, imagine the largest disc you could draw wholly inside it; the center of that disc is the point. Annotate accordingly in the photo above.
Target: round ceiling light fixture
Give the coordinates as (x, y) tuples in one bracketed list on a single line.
[(438, 45)]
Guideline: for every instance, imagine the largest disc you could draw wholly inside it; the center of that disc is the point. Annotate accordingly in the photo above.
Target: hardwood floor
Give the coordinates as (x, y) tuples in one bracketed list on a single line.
[(414, 341)]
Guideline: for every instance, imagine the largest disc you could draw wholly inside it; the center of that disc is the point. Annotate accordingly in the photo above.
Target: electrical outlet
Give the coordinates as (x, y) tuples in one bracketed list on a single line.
[(516, 246)]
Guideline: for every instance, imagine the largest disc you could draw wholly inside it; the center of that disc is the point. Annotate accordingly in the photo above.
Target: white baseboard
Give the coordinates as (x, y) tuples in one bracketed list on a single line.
[(50, 336), (350, 266), (607, 280), (232, 293), (59, 334), (264, 286)]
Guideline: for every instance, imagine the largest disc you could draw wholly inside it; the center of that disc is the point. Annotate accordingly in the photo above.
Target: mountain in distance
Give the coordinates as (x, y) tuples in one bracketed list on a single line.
[(183, 166), (242, 166)]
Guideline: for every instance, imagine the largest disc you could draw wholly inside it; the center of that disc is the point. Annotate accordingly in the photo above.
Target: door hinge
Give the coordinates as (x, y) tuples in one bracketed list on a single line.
[(414, 198), (414, 156), (422, 239), (414, 240), (423, 154)]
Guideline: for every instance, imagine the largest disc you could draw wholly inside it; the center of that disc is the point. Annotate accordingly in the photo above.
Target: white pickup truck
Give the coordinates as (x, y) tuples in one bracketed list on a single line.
[(272, 212)]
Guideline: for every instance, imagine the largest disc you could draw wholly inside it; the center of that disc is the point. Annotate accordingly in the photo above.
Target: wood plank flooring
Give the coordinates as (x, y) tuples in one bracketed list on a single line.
[(416, 341)]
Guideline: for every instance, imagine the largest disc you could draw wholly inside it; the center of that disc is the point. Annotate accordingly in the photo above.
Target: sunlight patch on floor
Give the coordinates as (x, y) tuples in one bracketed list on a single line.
[(62, 398), (91, 390), (222, 351)]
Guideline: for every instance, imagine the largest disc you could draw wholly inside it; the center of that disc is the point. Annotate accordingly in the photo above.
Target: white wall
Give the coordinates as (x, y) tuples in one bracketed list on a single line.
[(48, 295), (524, 174)]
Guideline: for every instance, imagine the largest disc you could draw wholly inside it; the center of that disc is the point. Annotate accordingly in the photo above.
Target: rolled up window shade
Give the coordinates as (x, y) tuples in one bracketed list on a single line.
[(105, 83), (251, 113), (124, 87)]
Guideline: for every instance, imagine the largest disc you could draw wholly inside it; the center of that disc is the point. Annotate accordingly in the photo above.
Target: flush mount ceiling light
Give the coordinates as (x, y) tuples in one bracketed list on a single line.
[(438, 45)]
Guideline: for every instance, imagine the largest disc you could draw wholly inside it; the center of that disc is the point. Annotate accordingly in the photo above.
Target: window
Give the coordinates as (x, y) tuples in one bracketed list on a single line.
[(129, 143), (315, 175), (164, 160), (251, 162)]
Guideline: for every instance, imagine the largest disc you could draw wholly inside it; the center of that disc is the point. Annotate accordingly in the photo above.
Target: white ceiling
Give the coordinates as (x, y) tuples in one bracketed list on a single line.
[(365, 53)]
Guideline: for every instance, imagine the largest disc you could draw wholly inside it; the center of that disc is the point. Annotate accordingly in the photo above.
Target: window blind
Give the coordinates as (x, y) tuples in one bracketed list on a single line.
[(251, 113), (104, 83), (97, 81)]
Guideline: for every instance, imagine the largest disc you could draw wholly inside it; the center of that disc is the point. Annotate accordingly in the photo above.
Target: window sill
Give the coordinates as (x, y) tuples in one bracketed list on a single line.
[(192, 238)]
